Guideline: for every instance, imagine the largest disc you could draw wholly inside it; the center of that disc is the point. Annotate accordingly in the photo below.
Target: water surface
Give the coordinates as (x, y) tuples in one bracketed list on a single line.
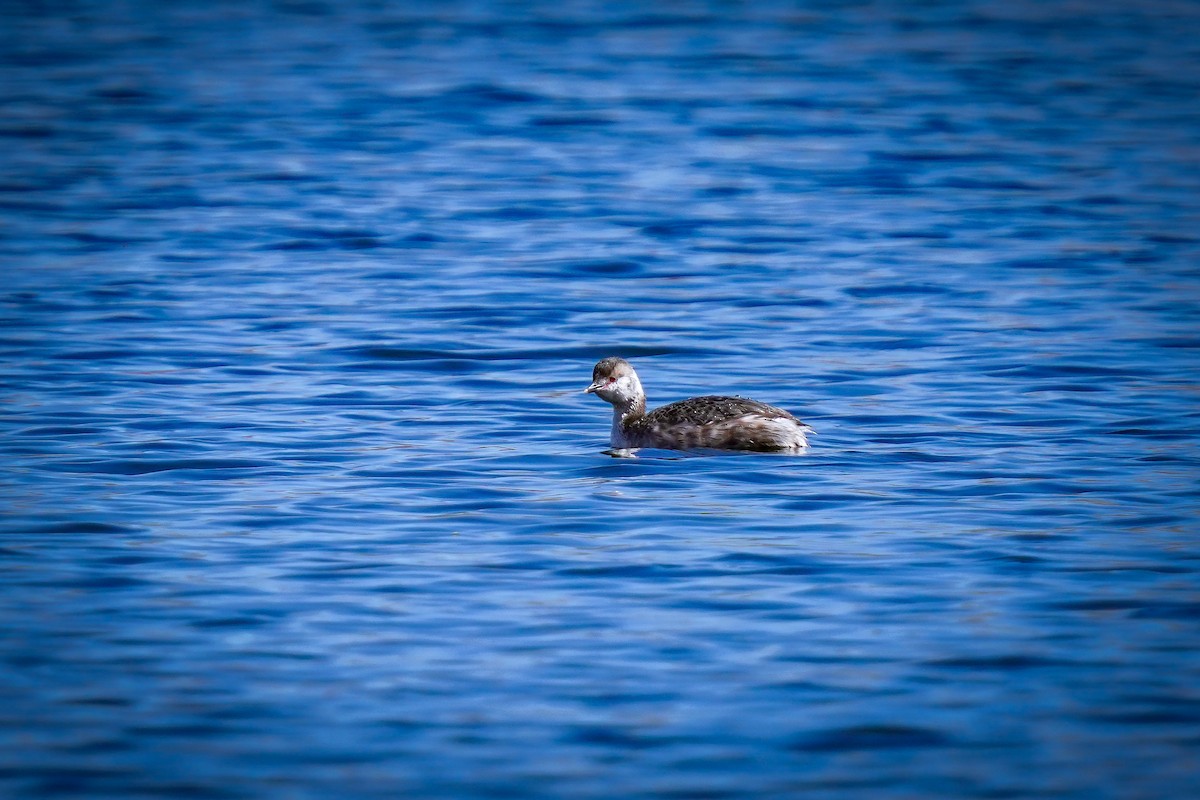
[(301, 498)]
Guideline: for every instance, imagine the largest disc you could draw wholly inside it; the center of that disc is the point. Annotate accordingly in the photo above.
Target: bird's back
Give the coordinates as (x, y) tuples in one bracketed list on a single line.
[(727, 423)]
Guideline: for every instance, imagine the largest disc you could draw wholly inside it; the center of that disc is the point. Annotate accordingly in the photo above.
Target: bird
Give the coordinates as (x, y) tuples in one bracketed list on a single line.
[(709, 422)]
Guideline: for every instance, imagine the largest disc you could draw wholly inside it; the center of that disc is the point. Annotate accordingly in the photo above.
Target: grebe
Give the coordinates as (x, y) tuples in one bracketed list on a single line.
[(722, 423)]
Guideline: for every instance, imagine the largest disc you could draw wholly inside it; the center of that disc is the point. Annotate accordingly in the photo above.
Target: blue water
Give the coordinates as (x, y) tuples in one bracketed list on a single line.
[(301, 498)]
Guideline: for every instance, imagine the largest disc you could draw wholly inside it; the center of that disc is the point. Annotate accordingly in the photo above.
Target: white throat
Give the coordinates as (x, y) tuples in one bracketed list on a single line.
[(617, 438)]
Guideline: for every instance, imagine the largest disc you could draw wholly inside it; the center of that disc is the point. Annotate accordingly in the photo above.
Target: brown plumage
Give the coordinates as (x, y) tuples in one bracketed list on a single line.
[(712, 421)]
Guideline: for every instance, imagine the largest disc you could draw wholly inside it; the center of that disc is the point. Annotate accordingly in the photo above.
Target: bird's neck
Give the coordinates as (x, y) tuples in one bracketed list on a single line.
[(626, 411), (634, 406)]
